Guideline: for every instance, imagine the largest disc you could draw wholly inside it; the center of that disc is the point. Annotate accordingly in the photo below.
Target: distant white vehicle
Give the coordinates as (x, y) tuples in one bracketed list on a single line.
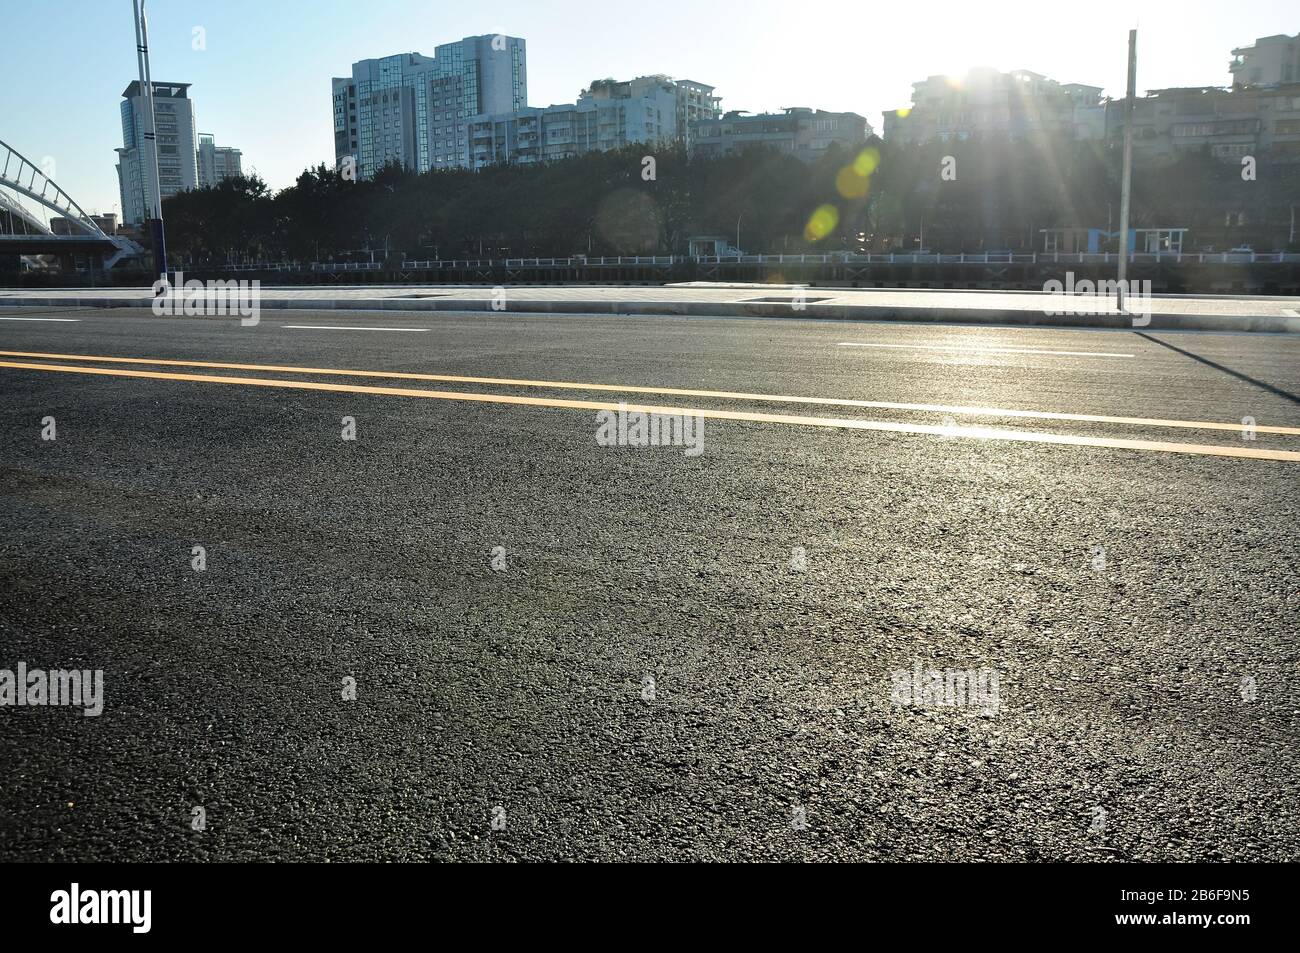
[(1241, 250)]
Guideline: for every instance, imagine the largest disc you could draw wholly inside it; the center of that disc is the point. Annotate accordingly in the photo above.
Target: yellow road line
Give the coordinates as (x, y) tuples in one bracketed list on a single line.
[(980, 433), (672, 392)]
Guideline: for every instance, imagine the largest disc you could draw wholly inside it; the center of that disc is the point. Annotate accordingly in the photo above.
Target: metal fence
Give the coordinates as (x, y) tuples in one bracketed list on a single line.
[(996, 258), (834, 258), (893, 258)]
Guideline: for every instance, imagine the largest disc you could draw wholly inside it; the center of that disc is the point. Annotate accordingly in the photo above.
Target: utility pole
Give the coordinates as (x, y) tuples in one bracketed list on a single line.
[(1127, 181), (153, 191)]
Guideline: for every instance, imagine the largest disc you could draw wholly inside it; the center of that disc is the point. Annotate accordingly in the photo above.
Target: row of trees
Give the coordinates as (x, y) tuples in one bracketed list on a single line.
[(599, 204), (966, 196)]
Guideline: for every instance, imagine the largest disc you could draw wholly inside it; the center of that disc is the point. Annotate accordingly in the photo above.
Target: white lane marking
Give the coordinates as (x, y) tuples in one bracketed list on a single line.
[(981, 433), (675, 391), (335, 327), (5, 317), (1008, 349)]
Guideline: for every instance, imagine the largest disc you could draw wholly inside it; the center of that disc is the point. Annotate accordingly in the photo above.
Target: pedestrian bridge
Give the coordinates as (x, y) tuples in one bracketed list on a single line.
[(24, 233)]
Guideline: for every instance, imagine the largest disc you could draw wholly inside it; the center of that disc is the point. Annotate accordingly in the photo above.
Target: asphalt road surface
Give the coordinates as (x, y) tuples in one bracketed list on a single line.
[(562, 649)]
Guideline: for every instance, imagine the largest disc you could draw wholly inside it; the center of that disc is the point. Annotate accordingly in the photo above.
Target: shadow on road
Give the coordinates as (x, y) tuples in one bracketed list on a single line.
[(1285, 394)]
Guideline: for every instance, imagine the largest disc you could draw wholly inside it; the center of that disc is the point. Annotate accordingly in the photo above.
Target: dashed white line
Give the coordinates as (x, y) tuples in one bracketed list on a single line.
[(1009, 349), (335, 327)]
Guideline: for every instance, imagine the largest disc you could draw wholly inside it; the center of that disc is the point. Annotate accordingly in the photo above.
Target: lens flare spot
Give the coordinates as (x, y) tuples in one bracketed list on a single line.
[(902, 113), (854, 180), (851, 184), (821, 223), (867, 161)]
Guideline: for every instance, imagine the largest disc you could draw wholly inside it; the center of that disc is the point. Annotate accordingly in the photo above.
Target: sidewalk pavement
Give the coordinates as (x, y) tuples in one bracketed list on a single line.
[(1188, 312)]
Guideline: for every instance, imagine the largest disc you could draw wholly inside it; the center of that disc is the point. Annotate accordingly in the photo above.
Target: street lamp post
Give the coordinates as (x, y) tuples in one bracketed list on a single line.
[(153, 192), (1126, 182)]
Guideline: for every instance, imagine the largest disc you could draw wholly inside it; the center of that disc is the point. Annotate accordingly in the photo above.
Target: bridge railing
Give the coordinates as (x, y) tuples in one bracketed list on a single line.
[(452, 263), (573, 261), (994, 258), (257, 266), (50, 238), (348, 266), (831, 258)]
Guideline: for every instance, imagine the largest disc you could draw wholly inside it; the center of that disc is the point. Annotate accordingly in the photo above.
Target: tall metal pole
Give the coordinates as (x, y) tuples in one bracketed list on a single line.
[(153, 191), (1126, 182)]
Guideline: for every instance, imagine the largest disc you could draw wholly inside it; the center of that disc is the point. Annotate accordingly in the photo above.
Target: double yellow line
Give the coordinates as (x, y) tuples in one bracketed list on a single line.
[(983, 433)]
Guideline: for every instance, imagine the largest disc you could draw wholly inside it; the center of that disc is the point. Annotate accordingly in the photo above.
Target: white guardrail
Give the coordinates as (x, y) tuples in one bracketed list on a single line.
[(895, 258), (982, 258)]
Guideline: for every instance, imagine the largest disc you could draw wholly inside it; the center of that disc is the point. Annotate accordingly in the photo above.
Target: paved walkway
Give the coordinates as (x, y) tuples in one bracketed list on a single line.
[(977, 307)]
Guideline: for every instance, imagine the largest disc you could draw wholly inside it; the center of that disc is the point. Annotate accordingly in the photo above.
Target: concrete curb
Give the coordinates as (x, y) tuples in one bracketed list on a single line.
[(1267, 323)]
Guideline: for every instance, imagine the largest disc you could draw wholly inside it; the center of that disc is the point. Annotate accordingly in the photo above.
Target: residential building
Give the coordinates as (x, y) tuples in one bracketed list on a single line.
[(346, 134), (412, 109), (1231, 123), (565, 131), (691, 101), (177, 147), (217, 162), (654, 110), (1271, 61), (804, 133), (988, 104)]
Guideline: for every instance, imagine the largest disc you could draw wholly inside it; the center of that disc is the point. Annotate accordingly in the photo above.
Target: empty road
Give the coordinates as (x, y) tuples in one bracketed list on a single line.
[(375, 585)]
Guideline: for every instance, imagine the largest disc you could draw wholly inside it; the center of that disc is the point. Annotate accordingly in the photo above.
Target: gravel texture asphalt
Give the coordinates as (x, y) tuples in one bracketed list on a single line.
[(1138, 608)]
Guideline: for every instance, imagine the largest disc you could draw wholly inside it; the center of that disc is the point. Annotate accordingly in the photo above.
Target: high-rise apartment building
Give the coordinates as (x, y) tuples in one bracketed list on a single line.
[(413, 109), (177, 147), (217, 162)]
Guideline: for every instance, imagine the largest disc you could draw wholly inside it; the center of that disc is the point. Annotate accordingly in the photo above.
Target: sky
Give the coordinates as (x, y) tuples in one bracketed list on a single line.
[(261, 79)]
